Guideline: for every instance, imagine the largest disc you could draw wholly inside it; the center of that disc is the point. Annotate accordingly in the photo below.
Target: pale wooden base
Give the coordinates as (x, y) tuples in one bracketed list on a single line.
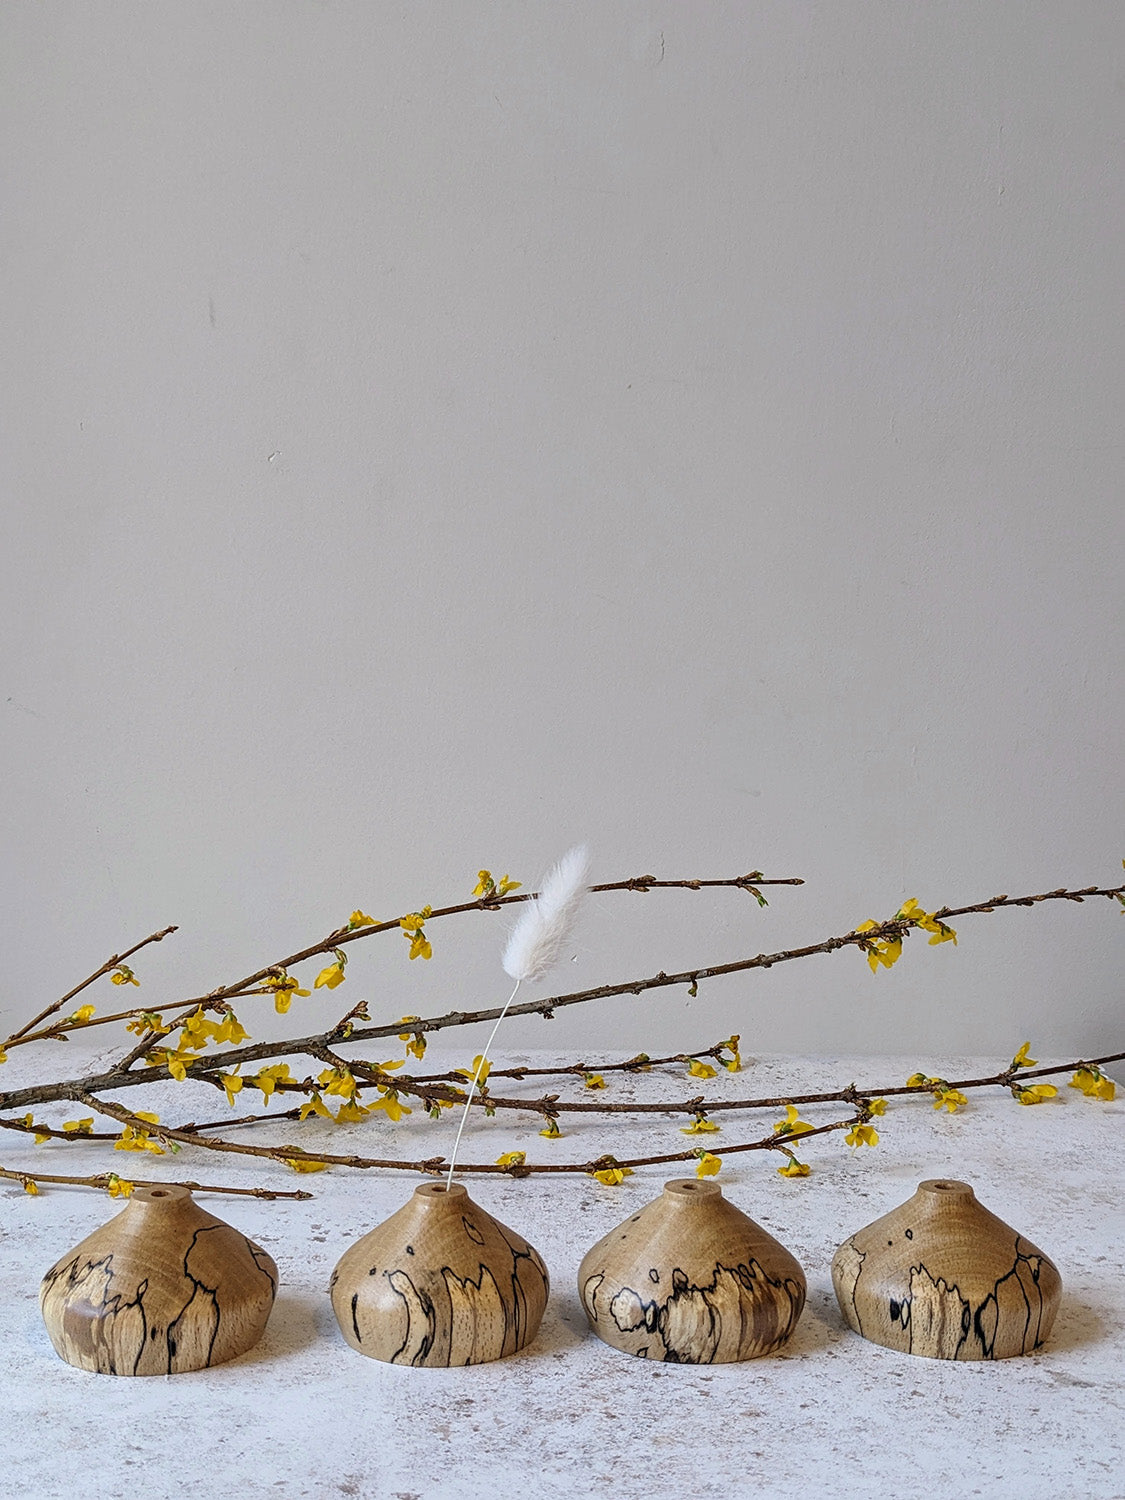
[(163, 1288), (439, 1283)]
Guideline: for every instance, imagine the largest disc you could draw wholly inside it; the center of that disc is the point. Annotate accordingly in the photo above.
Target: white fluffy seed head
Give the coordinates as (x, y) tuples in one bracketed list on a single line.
[(536, 941)]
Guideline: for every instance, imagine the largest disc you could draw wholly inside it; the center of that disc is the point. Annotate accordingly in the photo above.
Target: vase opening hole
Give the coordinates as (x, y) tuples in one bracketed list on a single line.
[(158, 1193)]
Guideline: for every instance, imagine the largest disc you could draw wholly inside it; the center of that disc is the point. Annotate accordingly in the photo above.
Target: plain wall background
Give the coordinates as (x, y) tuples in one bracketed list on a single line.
[(437, 433)]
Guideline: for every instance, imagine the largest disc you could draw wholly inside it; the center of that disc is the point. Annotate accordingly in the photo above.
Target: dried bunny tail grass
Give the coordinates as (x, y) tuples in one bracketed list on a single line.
[(533, 948), (536, 941)]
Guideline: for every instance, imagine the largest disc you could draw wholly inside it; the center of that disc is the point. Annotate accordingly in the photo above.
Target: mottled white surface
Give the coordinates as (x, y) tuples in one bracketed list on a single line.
[(304, 1416)]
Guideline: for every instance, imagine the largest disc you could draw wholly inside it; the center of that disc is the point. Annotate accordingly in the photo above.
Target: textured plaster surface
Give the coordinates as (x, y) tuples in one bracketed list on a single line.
[(303, 1416)]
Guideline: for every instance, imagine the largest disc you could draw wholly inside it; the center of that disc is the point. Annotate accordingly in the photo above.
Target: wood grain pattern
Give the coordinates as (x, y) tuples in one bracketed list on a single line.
[(162, 1288), (942, 1277), (440, 1283), (689, 1279)]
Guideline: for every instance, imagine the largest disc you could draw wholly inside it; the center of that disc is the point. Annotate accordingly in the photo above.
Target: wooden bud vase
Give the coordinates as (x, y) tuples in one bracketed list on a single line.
[(439, 1283), (942, 1277), (691, 1280), (162, 1288)]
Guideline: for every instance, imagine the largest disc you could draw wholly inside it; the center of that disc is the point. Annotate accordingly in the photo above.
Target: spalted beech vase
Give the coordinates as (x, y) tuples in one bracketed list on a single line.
[(439, 1283), (162, 1288), (691, 1280), (942, 1277)]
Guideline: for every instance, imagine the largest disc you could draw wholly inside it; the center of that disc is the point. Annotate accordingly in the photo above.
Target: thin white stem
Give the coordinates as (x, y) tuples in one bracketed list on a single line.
[(476, 1076)]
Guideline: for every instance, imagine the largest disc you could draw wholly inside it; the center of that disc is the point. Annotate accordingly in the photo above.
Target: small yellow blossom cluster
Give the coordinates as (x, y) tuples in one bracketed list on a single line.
[(593, 1081), (284, 987), (119, 1187), (123, 974), (80, 1017), (486, 887), (862, 1134), (700, 1125), (80, 1127), (1032, 1093), (792, 1125), (945, 1097), (134, 1138), (332, 976), (733, 1063), (551, 1129), (29, 1122), (415, 1040), (194, 1035), (886, 953), (1094, 1083), (415, 933), (511, 1158), (708, 1165), (360, 919), (608, 1172), (697, 1068), (147, 1021)]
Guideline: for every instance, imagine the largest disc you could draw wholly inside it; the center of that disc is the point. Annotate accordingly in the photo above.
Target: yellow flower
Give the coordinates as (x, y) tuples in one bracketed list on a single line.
[(29, 1121), (133, 1138), (350, 1112), (360, 919), (390, 1102), (793, 1168), (1036, 1093), (910, 910), (148, 1021), (30, 1186), (420, 946), (3, 1056), (314, 1105), (507, 885), (611, 1176), (593, 1081), (878, 1106), (119, 1187), (551, 1129), (1094, 1083), (699, 1126), (950, 1099), (1022, 1059), (485, 1069), (708, 1165), (862, 1135), (232, 1030), (485, 884), (268, 1078), (415, 1041), (699, 1069), (413, 921), (123, 974), (511, 1159), (733, 1064), (792, 1124), (80, 1127), (81, 1015), (918, 1080), (284, 987), (178, 1065), (233, 1085), (338, 1081), (327, 979), (303, 1164)]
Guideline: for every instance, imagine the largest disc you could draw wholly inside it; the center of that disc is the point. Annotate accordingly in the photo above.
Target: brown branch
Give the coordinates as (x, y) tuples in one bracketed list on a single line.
[(436, 1165), (102, 1180), (342, 935), (106, 968)]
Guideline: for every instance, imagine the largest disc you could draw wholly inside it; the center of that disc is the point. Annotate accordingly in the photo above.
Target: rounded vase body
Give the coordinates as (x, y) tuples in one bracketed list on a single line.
[(942, 1277), (440, 1283), (689, 1279), (161, 1289)]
